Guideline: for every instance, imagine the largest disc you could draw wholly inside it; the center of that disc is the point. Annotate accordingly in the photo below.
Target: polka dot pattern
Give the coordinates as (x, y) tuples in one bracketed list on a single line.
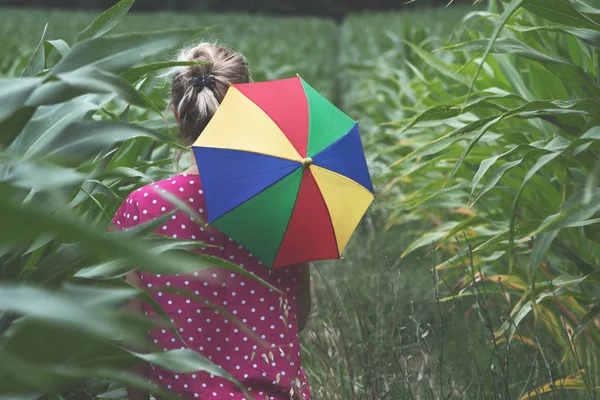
[(263, 353)]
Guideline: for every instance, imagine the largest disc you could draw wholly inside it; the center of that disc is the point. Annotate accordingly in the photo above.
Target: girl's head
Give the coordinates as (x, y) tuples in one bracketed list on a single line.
[(198, 90)]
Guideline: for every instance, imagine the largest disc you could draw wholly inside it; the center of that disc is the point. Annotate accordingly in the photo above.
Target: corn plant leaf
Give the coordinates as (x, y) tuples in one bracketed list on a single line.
[(508, 45), (509, 11), (60, 45), (38, 59), (118, 53), (14, 93), (106, 21), (92, 80)]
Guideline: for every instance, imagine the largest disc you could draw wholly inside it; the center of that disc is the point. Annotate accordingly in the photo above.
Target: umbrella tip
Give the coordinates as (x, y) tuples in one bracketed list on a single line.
[(307, 162)]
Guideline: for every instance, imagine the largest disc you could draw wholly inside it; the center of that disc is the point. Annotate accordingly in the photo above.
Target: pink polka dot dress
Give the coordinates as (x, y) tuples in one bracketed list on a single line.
[(265, 359)]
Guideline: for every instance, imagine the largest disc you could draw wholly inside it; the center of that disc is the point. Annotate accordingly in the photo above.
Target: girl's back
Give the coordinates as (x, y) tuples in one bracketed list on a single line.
[(261, 349)]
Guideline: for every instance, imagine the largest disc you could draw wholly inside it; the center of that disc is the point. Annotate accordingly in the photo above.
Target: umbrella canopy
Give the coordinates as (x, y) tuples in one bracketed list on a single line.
[(283, 172)]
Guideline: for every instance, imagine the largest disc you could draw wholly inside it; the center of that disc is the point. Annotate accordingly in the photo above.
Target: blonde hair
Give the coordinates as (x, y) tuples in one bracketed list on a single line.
[(195, 104)]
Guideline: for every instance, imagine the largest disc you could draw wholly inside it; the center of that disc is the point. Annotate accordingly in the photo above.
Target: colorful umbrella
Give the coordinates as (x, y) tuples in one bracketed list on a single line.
[(283, 172)]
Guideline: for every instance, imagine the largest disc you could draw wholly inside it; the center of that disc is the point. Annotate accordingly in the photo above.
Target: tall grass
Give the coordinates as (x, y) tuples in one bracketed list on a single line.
[(494, 179), (275, 47)]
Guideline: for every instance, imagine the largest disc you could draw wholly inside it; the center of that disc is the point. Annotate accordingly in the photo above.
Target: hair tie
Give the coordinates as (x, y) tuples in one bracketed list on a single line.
[(207, 80)]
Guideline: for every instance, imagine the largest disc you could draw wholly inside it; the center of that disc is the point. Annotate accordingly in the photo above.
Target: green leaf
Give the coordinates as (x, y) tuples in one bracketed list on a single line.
[(586, 320), (135, 73), (588, 36), (14, 93), (12, 126), (491, 183), (560, 11), (41, 176), (60, 309), (31, 222), (80, 140), (541, 244), (508, 12), (428, 239), (587, 6), (46, 126), (38, 59), (508, 46), (60, 45), (106, 21), (575, 210), (118, 53), (92, 80)]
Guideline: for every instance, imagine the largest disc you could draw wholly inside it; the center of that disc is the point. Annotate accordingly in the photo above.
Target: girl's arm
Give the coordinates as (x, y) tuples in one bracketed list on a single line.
[(304, 296), (135, 305)]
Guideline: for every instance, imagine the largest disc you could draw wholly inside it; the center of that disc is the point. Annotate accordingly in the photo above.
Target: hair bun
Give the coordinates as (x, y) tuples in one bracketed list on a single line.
[(217, 66)]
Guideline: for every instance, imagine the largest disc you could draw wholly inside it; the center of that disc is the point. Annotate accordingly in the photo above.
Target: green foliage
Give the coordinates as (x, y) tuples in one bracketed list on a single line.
[(486, 144), (264, 41), (80, 130)]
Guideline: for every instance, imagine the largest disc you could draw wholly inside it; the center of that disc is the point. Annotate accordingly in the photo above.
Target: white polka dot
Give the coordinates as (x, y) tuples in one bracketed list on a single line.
[(168, 283), (170, 302), (162, 209), (191, 200), (200, 210), (182, 226), (200, 191), (173, 217), (160, 293), (145, 211), (194, 238), (181, 189), (135, 217), (175, 235), (173, 182), (145, 194), (154, 201), (149, 285)]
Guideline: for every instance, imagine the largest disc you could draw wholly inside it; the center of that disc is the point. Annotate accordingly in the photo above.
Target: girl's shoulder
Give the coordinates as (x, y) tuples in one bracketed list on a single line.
[(157, 198)]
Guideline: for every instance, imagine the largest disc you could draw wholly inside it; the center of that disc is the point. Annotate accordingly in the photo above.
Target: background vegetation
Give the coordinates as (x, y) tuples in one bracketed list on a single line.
[(329, 8), (474, 276)]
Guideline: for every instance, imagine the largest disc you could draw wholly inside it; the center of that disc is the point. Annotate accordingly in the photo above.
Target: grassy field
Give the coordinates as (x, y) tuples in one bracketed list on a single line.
[(475, 274), (264, 41)]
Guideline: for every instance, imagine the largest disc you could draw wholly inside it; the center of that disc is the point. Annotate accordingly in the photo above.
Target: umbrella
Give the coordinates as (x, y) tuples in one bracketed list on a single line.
[(283, 172)]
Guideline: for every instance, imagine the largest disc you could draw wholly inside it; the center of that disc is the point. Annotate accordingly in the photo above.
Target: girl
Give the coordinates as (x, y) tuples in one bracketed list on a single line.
[(276, 319)]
